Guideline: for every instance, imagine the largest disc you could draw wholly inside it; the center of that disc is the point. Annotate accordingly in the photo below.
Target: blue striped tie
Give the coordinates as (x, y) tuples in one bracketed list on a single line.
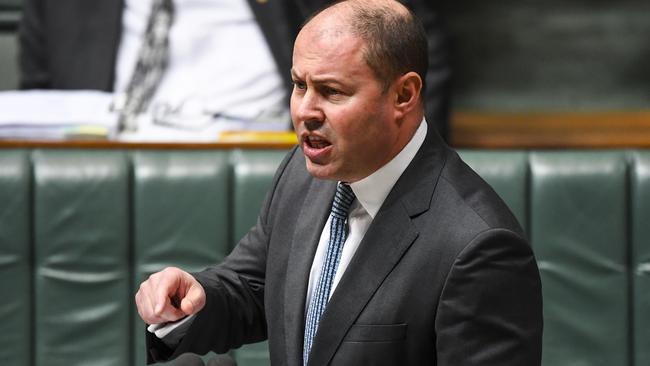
[(338, 232)]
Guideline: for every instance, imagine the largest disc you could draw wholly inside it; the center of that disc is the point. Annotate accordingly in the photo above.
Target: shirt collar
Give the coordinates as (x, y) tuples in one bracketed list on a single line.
[(372, 190)]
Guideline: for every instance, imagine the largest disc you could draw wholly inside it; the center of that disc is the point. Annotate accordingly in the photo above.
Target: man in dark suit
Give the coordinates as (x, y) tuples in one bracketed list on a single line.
[(434, 269), (74, 44)]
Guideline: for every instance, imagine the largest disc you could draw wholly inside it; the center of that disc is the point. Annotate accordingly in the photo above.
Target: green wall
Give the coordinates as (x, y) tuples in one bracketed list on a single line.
[(557, 55)]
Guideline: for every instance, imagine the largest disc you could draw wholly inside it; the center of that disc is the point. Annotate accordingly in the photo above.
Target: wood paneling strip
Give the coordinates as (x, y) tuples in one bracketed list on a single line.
[(480, 130), (609, 129)]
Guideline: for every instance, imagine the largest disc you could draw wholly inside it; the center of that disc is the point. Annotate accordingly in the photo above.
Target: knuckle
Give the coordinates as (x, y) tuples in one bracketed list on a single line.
[(169, 270)]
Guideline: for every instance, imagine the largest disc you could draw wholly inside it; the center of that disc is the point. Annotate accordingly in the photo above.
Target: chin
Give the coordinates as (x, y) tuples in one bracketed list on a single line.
[(321, 171)]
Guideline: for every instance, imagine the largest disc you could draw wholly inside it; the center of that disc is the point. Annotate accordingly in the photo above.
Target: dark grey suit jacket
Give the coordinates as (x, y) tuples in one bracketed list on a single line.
[(72, 44), (443, 276)]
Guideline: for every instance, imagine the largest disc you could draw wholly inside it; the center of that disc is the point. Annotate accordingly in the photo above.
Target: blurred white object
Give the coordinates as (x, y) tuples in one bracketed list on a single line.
[(192, 122), (56, 115), (62, 115)]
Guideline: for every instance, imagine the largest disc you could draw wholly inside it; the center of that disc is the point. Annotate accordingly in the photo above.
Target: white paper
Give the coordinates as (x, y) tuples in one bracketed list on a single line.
[(56, 114), (69, 114)]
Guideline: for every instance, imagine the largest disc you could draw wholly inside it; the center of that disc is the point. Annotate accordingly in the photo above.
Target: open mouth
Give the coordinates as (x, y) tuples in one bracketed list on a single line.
[(316, 142)]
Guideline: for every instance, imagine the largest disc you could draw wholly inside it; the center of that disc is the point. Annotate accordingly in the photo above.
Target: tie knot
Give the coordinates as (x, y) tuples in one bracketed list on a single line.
[(342, 200)]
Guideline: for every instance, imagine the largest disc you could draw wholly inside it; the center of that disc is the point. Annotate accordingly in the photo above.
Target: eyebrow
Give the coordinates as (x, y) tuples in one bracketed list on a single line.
[(319, 79)]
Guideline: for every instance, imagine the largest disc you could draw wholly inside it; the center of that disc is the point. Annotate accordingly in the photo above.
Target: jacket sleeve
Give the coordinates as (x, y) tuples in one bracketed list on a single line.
[(490, 310), (234, 312)]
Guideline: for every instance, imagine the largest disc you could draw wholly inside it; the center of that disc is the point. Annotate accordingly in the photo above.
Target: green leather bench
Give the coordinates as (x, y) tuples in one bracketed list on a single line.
[(80, 228)]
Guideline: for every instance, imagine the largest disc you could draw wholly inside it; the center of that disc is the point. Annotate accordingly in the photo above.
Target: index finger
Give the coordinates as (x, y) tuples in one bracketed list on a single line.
[(166, 289)]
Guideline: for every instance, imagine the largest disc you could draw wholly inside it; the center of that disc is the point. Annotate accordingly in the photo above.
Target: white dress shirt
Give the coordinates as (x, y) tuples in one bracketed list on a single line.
[(219, 60)]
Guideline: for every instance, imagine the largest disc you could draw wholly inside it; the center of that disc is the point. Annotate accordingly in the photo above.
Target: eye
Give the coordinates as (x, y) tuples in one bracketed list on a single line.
[(299, 85), (326, 90)]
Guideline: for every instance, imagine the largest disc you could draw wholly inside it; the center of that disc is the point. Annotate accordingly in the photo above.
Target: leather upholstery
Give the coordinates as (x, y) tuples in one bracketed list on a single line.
[(180, 216), (81, 251), (253, 171), (579, 234), (15, 257), (79, 229), (640, 213)]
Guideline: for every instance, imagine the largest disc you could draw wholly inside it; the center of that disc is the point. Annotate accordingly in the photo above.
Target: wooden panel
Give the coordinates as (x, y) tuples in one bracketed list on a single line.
[(551, 130)]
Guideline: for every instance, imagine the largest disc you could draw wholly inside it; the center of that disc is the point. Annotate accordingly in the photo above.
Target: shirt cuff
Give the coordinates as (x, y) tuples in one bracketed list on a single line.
[(171, 333)]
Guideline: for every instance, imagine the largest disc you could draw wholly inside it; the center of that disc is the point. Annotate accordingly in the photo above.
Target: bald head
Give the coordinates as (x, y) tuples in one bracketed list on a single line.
[(394, 40)]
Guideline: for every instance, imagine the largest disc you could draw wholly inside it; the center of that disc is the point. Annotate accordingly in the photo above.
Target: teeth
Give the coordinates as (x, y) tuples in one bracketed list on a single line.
[(317, 142)]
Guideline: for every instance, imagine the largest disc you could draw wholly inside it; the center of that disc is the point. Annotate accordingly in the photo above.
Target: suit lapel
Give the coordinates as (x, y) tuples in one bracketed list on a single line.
[(389, 236), (312, 218)]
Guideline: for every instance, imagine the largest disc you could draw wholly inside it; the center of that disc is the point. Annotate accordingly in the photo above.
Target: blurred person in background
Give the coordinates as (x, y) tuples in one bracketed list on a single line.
[(215, 58)]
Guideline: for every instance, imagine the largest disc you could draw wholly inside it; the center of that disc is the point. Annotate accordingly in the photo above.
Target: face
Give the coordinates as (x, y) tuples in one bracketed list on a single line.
[(342, 115)]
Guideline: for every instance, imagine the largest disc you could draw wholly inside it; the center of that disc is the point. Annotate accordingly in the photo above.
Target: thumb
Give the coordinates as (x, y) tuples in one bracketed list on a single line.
[(194, 299)]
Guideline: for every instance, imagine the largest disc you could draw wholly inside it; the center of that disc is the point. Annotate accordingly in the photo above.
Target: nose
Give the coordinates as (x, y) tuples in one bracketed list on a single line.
[(306, 109)]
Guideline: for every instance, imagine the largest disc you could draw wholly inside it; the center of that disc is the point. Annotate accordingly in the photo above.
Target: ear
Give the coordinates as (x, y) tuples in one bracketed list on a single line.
[(407, 93)]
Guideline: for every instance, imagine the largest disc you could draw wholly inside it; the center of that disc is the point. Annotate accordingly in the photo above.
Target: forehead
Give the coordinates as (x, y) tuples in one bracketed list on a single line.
[(328, 46)]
